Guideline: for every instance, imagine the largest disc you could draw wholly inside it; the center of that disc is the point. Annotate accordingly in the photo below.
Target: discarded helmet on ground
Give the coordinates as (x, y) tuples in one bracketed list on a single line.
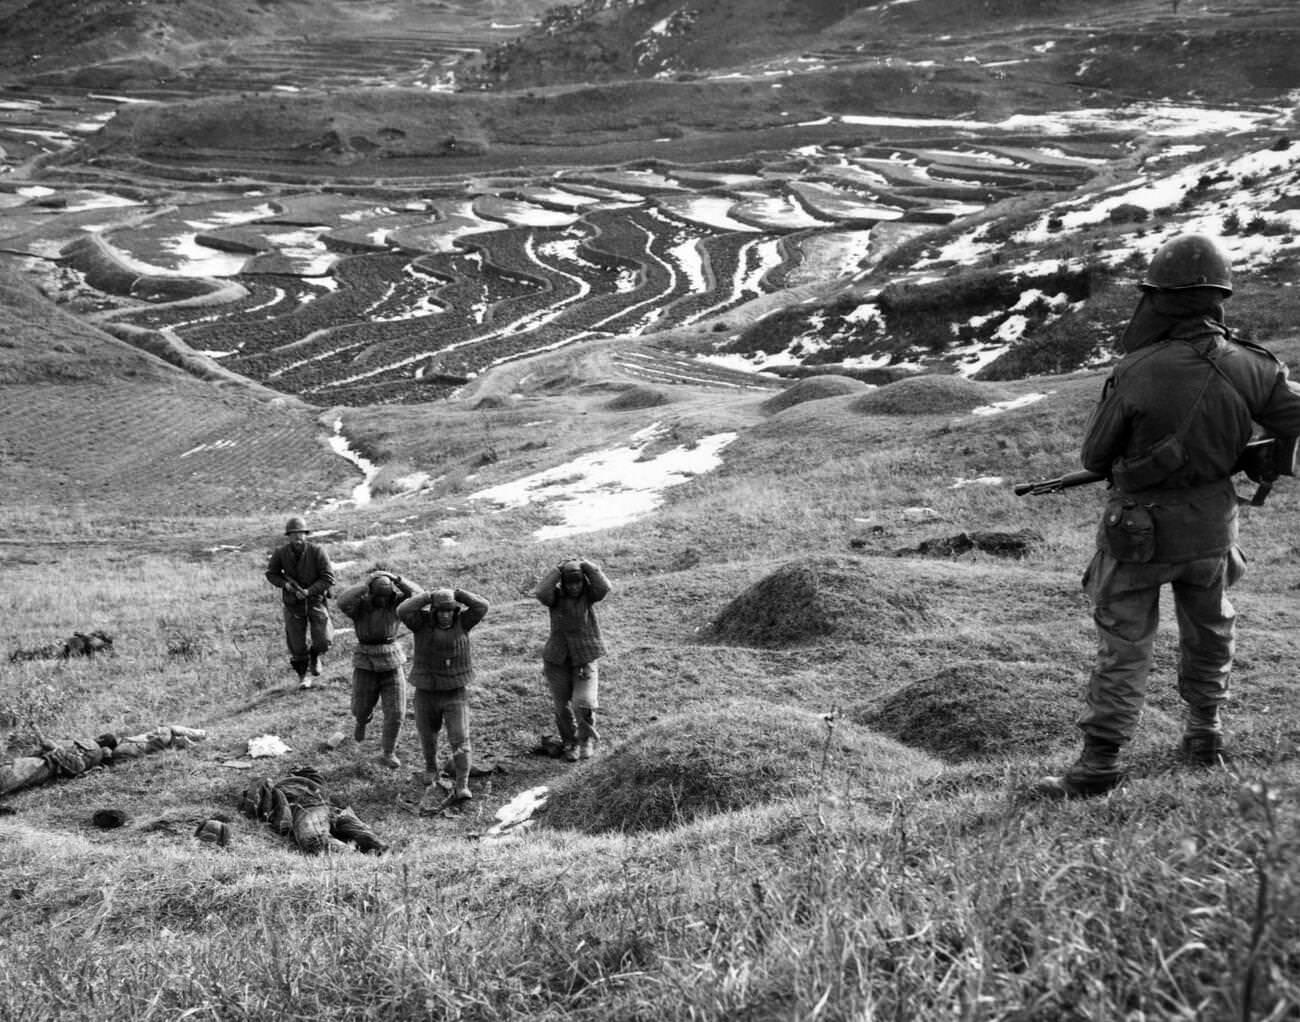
[(295, 524), (1189, 260), (215, 832), (444, 599)]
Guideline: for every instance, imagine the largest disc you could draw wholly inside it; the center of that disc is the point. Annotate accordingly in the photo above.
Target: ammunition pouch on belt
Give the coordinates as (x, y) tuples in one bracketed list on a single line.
[(1128, 531)]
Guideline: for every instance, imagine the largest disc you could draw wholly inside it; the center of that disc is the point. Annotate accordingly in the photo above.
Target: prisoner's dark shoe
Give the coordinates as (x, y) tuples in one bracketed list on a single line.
[(1077, 783), (304, 684), (570, 752), (462, 793), (313, 665), (359, 733), (388, 759), (1203, 750)]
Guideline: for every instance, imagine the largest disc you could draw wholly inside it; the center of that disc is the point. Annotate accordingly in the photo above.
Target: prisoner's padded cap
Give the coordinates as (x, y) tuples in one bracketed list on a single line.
[(444, 599), (382, 585)]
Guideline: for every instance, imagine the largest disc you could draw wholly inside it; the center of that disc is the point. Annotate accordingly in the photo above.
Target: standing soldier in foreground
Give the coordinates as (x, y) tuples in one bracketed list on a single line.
[(377, 660), (441, 673), (302, 571), (1173, 419), (570, 591)]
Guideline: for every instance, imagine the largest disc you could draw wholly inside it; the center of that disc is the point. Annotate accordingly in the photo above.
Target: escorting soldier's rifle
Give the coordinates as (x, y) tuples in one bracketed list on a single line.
[(1264, 461)]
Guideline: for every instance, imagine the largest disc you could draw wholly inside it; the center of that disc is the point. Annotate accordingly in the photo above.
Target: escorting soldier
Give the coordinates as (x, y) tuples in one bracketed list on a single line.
[(570, 591), (377, 660), (1173, 419), (302, 571), (442, 670)]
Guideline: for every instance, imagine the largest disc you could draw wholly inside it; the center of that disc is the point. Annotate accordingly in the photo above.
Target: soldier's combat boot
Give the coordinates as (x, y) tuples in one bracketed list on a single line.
[(1095, 772), (1202, 744)]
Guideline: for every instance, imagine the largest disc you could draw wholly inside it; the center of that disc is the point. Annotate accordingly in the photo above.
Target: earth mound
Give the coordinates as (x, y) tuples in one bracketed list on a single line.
[(637, 397), (804, 601), (981, 708), (734, 756), (928, 395), (813, 388)]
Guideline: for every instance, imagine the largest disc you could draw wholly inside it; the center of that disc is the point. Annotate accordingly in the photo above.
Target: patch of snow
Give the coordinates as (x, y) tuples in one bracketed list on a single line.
[(978, 481), (997, 407), (609, 488)]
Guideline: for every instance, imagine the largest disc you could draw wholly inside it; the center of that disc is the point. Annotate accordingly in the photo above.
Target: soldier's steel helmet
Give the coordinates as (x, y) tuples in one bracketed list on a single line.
[(444, 599), (1189, 260), (295, 524)]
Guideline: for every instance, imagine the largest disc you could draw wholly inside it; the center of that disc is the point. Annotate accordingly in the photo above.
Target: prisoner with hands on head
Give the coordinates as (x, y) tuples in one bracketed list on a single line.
[(378, 677), (442, 671), (570, 592)]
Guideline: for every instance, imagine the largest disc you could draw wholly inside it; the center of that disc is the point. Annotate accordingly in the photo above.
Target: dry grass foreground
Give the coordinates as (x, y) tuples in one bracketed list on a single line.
[(811, 787)]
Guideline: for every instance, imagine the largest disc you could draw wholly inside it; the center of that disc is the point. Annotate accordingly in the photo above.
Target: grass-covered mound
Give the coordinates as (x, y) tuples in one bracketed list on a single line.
[(740, 754), (982, 708), (814, 388), (928, 395), (808, 600), (637, 397)]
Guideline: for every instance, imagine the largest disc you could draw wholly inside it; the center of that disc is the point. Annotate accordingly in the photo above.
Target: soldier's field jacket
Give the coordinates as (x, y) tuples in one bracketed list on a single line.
[(1207, 389), (311, 569)]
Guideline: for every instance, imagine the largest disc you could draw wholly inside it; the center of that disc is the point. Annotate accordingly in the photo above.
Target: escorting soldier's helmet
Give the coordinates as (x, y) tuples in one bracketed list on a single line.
[(295, 524), (1189, 260), (382, 585), (444, 599)]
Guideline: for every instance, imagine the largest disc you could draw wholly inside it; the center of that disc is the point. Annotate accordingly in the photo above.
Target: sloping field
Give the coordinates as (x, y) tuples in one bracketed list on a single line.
[(88, 421)]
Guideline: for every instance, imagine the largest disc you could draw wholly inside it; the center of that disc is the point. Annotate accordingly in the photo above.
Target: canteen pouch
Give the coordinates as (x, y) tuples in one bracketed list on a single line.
[(1152, 468), (1128, 531)]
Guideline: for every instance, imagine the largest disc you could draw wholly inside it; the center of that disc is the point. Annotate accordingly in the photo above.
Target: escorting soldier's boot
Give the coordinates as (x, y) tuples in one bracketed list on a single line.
[(1202, 743), (1095, 772)]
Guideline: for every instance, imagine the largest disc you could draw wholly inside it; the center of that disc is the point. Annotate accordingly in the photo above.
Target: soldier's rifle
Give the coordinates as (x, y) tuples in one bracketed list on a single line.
[(1265, 460)]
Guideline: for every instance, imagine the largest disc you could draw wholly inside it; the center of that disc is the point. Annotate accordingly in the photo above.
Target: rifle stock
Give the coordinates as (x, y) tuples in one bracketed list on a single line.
[(1055, 485)]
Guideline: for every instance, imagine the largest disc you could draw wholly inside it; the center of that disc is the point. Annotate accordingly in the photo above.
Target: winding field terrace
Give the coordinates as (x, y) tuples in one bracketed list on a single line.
[(320, 213)]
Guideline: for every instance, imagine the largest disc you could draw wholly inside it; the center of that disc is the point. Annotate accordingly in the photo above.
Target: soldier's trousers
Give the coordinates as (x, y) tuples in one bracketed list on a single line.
[(307, 630), (1126, 610)]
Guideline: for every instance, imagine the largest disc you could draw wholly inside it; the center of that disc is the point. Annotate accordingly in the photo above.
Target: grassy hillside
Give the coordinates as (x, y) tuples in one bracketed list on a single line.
[(817, 746), (97, 431)]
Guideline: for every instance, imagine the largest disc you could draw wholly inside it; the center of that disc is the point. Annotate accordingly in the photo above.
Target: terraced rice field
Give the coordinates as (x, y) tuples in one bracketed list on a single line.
[(354, 292), (350, 301)]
